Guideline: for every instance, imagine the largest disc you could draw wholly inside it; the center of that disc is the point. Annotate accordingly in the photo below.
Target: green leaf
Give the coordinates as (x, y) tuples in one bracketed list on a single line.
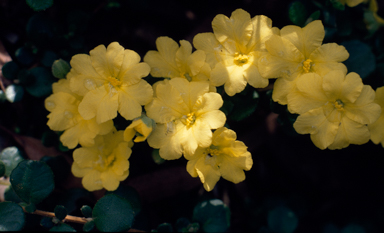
[(10, 70), (86, 211), (25, 56), (10, 195), (337, 5), (113, 213), (32, 181), (60, 212), (297, 13), (2, 168), (361, 59), (60, 68), (130, 194), (282, 220), (43, 80), (30, 208), (156, 157), (46, 222), (353, 228), (12, 217), (39, 5), (164, 227), (244, 104), (62, 227), (314, 16), (88, 226), (14, 93), (11, 157), (212, 215)]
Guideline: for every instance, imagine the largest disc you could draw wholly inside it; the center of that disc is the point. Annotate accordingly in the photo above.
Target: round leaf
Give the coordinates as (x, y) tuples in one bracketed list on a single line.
[(39, 5), (88, 226), (32, 181), (282, 219), (60, 68), (11, 157), (42, 85), (25, 56), (86, 211), (297, 13), (60, 212), (131, 195), (14, 93), (12, 217), (361, 59), (10, 70), (212, 215), (2, 168), (113, 213), (30, 208), (46, 222)]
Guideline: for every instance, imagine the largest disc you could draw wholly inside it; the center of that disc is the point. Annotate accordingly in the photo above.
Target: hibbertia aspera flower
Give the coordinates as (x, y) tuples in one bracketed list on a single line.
[(299, 51), (185, 113), (377, 128), (225, 157), (334, 109), (110, 79), (233, 49), (64, 116), (105, 164)]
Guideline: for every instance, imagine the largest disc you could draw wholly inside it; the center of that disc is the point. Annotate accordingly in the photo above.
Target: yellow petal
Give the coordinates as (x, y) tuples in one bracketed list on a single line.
[(223, 137), (208, 175), (333, 84), (79, 172), (107, 61), (182, 55), (236, 81), (254, 78), (308, 94), (262, 30), (99, 103), (109, 180), (214, 119), (350, 132), (281, 88), (330, 52), (306, 39), (363, 111), (135, 73), (234, 32), (189, 91), (92, 181), (315, 123), (85, 156), (231, 172), (377, 131), (208, 43), (131, 58)]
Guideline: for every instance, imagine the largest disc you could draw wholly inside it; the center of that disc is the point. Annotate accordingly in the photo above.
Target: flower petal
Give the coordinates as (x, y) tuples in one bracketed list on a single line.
[(92, 181), (208, 175)]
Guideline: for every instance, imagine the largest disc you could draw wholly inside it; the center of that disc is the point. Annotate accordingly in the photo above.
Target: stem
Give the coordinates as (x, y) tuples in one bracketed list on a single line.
[(68, 218)]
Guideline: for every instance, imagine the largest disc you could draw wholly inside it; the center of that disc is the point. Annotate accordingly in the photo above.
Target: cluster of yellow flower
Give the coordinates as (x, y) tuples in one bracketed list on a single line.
[(182, 115)]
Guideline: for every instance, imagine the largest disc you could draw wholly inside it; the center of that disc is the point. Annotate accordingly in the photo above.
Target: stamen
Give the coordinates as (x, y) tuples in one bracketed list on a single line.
[(339, 105), (114, 82), (240, 59), (307, 65)]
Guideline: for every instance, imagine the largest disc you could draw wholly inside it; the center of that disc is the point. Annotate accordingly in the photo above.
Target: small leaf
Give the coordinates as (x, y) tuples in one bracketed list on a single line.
[(2, 168), (40, 5), (164, 227), (88, 226), (62, 227), (11, 157), (113, 213), (337, 4), (43, 80), (14, 93), (30, 208), (213, 215), (32, 181), (86, 211), (281, 219), (297, 13), (60, 68), (10, 70), (156, 157), (314, 16), (361, 59), (12, 217), (60, 212), (25, 56), (130, 194), (46, 222)]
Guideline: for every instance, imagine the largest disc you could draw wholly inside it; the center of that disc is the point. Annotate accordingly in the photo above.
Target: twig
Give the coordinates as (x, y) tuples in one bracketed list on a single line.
[(68, 218)]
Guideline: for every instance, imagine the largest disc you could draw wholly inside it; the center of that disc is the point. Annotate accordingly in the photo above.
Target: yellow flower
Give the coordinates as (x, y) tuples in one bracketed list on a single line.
[(233, 49), (334, 109), (185, 113), (140, 127), (105, 164), (352, 3), (225, 157), (172, 61), (64, 116), (110, 79), (299, 51), (377, 128)]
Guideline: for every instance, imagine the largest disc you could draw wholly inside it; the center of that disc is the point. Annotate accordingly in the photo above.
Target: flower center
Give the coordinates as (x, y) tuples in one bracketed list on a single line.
[(212, 153), (187, 76), (104, 162), (114, 81), (190, 119), (339, 105), (240, 59), (307, 65)]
